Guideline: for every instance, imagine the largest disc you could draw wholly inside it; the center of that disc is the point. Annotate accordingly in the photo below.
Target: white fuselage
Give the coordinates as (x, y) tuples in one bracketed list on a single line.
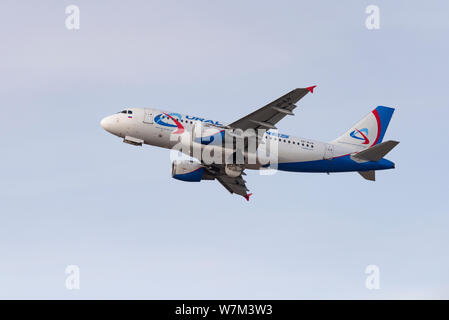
[(157, 128)]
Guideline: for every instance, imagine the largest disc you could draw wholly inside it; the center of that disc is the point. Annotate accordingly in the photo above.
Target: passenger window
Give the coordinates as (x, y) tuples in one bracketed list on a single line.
[(130, 112)]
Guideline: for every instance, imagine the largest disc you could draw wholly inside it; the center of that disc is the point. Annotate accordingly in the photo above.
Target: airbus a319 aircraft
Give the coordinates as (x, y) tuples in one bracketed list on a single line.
[(360, 149)]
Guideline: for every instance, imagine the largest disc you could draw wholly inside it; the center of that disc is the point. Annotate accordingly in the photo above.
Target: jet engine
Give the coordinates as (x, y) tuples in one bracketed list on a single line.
[(233, 170), (187, 170)]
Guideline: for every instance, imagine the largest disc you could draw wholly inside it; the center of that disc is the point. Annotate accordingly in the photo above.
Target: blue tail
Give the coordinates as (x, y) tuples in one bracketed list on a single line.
[(384, 115), (370, 130)]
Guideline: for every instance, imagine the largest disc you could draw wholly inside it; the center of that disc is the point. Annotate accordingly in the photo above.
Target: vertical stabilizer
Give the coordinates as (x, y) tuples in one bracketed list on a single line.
[(370, 130)]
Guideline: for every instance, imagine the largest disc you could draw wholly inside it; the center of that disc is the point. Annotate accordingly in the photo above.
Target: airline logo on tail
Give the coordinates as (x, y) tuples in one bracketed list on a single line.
[(360, 135)]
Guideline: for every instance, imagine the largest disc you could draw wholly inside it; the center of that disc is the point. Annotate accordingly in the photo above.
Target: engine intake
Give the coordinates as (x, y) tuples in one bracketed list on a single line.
[(186, 170)]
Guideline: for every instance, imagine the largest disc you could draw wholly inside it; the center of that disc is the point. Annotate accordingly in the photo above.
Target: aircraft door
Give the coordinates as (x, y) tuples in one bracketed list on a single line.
[(152, 134), (148, 117), (329, 152)]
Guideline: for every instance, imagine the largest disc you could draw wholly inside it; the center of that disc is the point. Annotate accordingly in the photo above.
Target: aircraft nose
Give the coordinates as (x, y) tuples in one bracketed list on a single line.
[(106, 123)]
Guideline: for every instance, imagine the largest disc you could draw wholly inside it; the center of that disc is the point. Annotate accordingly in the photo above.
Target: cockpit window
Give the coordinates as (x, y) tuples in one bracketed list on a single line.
[(124, 111)]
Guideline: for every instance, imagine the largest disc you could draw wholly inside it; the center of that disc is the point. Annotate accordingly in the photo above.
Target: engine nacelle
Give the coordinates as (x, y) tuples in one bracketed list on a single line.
[(233, 170), (186, 170)]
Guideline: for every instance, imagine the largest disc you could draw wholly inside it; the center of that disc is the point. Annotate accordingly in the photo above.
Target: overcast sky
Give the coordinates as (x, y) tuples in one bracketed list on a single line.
[(72, 194)]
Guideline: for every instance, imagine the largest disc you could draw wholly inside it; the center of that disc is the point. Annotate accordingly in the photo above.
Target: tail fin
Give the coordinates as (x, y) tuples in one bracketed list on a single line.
[(370, 130)]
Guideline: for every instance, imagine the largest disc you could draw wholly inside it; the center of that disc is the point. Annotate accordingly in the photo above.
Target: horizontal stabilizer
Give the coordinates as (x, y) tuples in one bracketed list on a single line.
[(368, 175), (376, 152)]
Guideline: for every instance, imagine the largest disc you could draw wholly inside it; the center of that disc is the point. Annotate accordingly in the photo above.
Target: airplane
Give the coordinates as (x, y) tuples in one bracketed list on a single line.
[(359, 149)]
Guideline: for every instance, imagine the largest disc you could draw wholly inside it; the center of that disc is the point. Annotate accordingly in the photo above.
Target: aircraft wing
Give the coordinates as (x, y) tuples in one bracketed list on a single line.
[(264, 118), (235, 185), (232, 184), (267, 116)]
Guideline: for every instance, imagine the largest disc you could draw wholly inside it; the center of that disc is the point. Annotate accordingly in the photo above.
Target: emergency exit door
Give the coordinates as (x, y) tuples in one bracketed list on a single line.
[(329, 152)]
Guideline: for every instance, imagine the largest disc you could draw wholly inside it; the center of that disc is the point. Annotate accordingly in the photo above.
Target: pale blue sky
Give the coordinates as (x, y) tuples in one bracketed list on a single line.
[(70, 193)]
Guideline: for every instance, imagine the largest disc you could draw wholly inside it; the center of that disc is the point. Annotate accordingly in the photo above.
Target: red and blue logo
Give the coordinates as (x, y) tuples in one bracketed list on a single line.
[(163, 117), (360, 135)]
